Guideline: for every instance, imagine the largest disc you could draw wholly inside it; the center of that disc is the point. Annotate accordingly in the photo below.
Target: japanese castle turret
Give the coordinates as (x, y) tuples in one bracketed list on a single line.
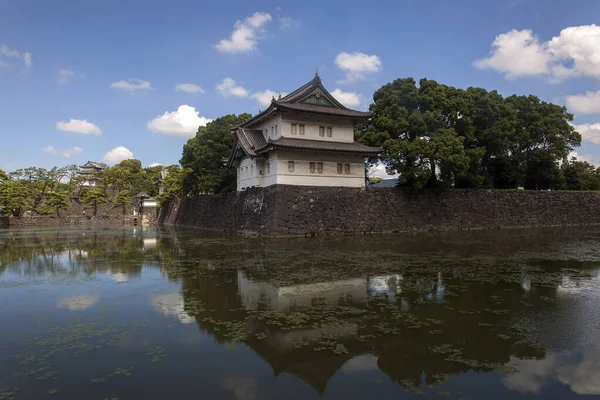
[(305, 138)]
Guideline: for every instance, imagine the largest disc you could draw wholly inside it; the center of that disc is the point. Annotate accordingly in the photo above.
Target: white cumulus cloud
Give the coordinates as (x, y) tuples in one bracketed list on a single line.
[(117, 155), (574, 52), (228, 87), (585, 157), (588, 103), (7, 52), (189, 88), (286, 23), (64, 75), (63, 152), (79, 126), (264, 98), (184, 122), (245, 35), (154, 164), (349, 99), (589, 132), (357, 65), (131, 85), (516, 54), (378, 171)]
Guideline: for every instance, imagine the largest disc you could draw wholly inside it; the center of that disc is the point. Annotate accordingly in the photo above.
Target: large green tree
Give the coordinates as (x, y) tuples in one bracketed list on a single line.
[(437, 135), (580, 175), (123, 200), (54, 202), (204, 157), (416, 127), (93, 197), (13, 197), (543, 136), (172, 184)]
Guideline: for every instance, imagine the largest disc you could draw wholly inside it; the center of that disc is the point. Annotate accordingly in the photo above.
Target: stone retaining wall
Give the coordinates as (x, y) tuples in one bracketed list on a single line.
[(298, 210)]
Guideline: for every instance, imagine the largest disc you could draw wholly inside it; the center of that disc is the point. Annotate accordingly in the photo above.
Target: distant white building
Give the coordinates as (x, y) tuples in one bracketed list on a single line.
[(305, 138), (89, 171)]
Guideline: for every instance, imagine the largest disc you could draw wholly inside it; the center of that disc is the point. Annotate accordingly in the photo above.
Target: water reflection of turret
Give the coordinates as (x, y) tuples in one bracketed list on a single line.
[(411, 324)]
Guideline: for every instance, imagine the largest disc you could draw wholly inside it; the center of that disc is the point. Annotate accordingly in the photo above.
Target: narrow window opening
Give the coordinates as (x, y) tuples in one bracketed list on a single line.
[(291, 166), (268, 168), (347, 169), (339, 169), (320, 167), (302, 129), (322, 131), (312, 167), (329, 131), (294, 129)]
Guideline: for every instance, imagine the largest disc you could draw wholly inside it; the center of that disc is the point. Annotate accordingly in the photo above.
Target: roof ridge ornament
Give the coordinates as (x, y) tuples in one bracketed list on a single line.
[(317, 77)]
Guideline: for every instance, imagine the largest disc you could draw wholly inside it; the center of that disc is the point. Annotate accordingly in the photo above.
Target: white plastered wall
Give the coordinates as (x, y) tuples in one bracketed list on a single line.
[(329, 177), (250, 173), (342, 128)]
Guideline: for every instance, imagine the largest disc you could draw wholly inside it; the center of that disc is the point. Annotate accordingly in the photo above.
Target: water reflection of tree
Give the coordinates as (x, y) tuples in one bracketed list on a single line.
[(72, 253)]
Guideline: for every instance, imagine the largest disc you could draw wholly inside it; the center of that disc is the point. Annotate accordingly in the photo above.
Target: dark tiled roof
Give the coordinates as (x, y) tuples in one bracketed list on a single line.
[(319, 145), (304, 91), (297, 101), (251, 140), (93, 164), (345, 112)]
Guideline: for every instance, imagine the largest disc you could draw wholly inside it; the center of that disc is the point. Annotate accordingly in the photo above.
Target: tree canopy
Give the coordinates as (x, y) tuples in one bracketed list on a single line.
[(437, 135), (204, 157)]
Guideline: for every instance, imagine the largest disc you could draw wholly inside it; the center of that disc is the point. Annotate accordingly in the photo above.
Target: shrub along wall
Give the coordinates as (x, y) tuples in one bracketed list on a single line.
[(299, 210), (76, 214)]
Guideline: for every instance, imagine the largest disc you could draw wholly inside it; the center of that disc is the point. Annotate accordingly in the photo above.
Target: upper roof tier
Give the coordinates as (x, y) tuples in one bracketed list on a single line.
[(311, 98)]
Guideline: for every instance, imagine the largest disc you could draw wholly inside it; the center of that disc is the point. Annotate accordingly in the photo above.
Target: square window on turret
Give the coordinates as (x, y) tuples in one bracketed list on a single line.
[(322, 131), (329, 131), (301, 129), (294, 128)]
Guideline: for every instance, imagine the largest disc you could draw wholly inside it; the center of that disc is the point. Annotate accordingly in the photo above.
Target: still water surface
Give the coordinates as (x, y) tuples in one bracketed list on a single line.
[(155, 314)]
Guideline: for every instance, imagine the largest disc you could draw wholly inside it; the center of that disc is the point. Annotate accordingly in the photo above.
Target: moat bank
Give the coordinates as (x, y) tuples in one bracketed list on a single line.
[(294, 210), (76, 214)]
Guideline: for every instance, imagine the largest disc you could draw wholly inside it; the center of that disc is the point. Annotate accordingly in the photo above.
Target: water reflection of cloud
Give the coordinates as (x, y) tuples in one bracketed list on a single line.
[(79, 302), (579, 370), (171, 304), (242, 388), (366, 362), (118, 277)]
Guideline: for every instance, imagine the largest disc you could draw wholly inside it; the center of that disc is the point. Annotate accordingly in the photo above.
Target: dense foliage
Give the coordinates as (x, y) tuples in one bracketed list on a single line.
[(46, 192), (205, 156), (436, 135)]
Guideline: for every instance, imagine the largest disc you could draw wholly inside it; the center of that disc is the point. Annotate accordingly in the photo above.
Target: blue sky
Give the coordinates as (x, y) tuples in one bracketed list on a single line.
[(121, 62)]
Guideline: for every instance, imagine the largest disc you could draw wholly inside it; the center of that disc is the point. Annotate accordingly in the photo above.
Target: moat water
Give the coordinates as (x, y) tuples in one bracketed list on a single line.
[(176, 314)]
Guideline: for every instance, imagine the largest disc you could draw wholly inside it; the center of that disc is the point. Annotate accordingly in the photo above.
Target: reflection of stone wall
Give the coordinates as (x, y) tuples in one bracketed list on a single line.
[(4, 222), (76, 215), (297, 210)]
